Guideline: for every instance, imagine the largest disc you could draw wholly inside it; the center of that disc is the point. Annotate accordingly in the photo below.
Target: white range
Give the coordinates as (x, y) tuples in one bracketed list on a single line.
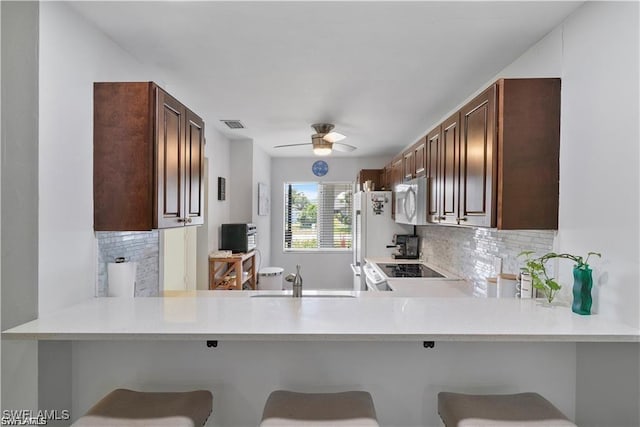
[(413, 278)]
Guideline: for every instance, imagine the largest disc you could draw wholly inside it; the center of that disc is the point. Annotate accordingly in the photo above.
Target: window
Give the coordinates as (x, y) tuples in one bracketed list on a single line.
[(317, 216)]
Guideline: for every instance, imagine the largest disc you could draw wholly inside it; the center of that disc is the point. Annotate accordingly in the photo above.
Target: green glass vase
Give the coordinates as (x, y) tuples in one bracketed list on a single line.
[(582, 284)]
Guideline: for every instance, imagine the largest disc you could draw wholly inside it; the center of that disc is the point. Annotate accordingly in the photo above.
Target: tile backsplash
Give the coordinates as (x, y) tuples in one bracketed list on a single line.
[(139, 246), (470, 252)]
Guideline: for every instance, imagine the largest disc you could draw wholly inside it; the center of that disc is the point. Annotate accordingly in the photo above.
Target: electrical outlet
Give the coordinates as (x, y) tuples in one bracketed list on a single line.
[(497, 265)]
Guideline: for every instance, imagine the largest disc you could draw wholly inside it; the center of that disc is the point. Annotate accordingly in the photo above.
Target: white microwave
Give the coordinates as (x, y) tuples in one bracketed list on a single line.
[(411, 202)]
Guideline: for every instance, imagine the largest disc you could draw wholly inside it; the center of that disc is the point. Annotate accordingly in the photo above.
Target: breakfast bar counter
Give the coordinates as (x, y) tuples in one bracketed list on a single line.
[(320, 316)]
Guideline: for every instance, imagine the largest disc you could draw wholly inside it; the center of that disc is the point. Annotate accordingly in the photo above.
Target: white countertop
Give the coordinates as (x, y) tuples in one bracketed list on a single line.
[(227, 315), (430, 288)]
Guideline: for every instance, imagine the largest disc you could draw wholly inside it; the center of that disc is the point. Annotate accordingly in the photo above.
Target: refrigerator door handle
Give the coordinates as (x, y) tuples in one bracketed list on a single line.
[(356, 270)]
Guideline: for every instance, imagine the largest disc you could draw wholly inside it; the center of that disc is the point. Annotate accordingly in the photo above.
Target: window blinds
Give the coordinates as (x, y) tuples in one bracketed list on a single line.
[(318, 216)]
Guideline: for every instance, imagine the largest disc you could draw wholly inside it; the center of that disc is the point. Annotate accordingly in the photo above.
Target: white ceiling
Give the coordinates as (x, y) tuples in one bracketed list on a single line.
[(383, 72)]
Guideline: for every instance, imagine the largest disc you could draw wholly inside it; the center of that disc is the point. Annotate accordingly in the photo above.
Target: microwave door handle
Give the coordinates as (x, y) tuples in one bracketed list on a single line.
[(356, 244)]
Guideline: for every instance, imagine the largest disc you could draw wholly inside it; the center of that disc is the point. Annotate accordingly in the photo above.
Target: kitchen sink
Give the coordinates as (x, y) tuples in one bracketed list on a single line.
[(310, 295)]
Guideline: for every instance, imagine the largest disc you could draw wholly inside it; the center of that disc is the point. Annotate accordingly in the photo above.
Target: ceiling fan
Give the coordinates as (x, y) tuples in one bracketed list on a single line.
[(324, 140)]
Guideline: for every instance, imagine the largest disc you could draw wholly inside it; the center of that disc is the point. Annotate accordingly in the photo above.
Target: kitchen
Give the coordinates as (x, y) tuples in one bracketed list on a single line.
[(44, 284)]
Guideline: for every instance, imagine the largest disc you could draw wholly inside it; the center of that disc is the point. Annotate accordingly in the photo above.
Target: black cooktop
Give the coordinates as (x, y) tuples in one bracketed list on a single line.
[(408, 270)]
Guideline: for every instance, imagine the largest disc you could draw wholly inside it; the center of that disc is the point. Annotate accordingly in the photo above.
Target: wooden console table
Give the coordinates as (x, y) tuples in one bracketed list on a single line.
[(221, 269)]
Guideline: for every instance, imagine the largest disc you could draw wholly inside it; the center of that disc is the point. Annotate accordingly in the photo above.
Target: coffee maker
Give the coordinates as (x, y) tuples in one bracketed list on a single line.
[(407, 246)]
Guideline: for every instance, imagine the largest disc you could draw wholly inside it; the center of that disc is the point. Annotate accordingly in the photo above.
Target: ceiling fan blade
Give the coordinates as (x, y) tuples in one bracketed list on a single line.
[(291, 145), (339, 146), (333, 137)]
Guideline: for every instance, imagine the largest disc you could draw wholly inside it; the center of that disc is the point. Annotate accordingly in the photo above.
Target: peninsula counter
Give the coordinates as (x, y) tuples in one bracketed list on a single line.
[(207, 315)]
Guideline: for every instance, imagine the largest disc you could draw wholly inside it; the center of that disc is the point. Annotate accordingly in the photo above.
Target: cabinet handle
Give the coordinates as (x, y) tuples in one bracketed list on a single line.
[(463, 219), (442, 218), (188, 220)]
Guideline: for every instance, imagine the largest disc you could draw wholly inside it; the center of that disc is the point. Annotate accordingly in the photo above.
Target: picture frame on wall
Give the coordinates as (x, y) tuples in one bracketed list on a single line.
[(222, 188), (263, 199)]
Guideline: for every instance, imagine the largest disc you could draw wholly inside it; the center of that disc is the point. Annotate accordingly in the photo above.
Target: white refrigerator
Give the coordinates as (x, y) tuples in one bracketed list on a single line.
[(373, 230)]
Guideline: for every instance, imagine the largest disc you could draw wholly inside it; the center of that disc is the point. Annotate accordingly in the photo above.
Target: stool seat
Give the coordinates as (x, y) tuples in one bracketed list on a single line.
[(504, 410), (287, 408), (124, 407)]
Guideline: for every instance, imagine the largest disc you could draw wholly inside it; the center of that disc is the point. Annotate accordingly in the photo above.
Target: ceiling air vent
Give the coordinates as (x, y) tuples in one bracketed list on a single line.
[(233, 124)]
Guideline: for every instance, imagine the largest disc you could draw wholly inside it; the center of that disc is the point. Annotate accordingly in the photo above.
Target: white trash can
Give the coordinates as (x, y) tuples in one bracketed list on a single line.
[(270, 279)]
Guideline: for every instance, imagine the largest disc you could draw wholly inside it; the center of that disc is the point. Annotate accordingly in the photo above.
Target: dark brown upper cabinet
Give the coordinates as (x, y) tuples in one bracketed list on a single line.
[(478, 160), (385, 179), (420, 158), (495, 162), (448, 180), (396, 178), (148, 159), (414, 160), (434, 165), (373, 175), (528, 154), (408, 164)]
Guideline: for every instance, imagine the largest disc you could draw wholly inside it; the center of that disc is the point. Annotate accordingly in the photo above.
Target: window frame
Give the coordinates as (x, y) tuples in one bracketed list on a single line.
[(284, 219)]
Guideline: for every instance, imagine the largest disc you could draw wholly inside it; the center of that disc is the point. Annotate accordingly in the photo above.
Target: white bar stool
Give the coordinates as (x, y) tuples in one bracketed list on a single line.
[(287, 408), (124, 407), (499, 410)]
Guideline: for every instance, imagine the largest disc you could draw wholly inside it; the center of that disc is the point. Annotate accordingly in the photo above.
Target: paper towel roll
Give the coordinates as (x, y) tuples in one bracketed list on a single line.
[(122, 279)]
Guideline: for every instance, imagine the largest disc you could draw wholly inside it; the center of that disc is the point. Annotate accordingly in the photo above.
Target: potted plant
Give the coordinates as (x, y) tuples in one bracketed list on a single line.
[(540, 280), (582, 278)]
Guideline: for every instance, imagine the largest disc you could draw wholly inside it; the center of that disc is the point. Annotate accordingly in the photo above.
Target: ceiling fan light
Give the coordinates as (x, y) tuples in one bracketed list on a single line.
[(321, 151)]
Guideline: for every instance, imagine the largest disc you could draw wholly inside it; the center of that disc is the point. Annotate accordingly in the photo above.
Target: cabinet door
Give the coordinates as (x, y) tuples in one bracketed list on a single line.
[(433, 174), (170, 151), (449, 176), (396, 178), (420, 158), (123, 157), (477, 160), (408, 165), (387, 178), (194, 168), (396, 173), (381, 179)]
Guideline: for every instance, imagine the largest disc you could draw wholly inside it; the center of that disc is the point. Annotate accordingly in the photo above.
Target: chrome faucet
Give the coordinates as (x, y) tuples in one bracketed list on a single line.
[(297, 282)]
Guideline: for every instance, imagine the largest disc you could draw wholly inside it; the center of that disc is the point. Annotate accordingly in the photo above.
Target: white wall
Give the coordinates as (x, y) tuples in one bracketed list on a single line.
[(19, 247), (1, 204), (599, 149), (54, 379), (320, 270), (250, 165), (599, 152), (73, 55), (239, 185), (217, 152), (599, 185), (261, 166), (403, 377), (607, 384)]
